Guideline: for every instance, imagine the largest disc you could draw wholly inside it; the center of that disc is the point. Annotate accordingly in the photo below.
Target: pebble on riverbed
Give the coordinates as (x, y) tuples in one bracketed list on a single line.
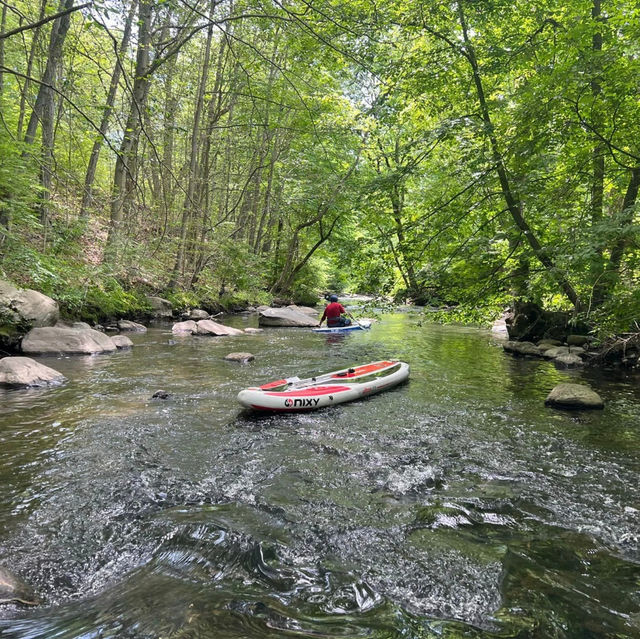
[(161, 394)]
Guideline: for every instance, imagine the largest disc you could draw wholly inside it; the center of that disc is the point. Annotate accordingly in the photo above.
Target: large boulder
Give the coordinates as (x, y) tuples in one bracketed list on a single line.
[(285, 317), (66, 341), (209, 327), (188, 327), (24, 371), (574, 396), (26, 309), (307, 310), (160, 307)]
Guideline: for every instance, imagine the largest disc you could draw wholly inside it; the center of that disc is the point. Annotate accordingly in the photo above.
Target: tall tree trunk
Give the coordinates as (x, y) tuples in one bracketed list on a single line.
[(188, 204), (124, 172), (46, 94), (87, 196), (3, 25), (512, 200), (604, 287), (597, 160), (45, 107), (27, 82)]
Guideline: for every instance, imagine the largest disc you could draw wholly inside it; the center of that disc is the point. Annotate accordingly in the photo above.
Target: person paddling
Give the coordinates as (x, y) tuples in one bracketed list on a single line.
[(335, 313)]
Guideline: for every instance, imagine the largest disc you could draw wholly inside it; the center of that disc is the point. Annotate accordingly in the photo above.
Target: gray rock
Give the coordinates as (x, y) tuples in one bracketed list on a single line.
[(549, 342), (556, 351), (161, 394), (198, 314), (262, 308), (63, 341), (243, 358), (132, 327), (189, 327), (82, 325), (307, 310), (209, 327), (12, 588), (160, 307), (522, 348), (500, 327), (27, 308), (252, 331), (569, 360), (574, 396), (24, 371), (285, 317), (122, 341)]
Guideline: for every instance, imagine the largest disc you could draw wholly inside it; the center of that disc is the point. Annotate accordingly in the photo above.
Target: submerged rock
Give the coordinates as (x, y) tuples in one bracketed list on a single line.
[(243, 358), (63, 341), (161, 394), (574, 396), (253, 331), (12, 588), (24, 371), (285, 317)]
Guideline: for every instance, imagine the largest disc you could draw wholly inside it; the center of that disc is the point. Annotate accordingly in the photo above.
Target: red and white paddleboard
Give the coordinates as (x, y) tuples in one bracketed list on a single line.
[(296, 394)]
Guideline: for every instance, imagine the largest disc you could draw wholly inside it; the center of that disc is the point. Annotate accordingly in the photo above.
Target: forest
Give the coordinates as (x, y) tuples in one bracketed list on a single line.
[(233, 152)]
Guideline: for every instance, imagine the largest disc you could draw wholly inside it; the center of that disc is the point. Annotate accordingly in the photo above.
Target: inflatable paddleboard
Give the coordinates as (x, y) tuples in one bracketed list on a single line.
[(337, 387)]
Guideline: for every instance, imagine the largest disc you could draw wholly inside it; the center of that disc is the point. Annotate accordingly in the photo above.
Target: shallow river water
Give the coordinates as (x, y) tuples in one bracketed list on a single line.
[(455, 505)]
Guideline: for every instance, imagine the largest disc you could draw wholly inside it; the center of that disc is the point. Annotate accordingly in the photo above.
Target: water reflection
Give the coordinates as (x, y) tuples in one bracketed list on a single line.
[(454, 504)]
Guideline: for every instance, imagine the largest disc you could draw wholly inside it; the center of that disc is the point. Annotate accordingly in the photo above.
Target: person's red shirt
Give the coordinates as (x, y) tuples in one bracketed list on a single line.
[(332, 311)]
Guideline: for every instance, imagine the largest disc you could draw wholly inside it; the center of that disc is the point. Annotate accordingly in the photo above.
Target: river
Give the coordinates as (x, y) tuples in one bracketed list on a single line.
[(455, 505)]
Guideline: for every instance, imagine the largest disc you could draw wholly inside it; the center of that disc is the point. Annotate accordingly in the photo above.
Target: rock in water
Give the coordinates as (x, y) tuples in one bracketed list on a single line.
[(285, 317), (209, 327), (63, 341), (122, 341), (189, 327), (161, 394), (574, 396), (12, 588), (243, 358), (134, 327), (24, 371)]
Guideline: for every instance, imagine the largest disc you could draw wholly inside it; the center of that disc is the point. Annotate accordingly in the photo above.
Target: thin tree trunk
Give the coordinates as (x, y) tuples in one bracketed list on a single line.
[(27, 82), (45, 108), (124, 170), (188, 205), (87, 196), (46, 94), (3, 24)]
